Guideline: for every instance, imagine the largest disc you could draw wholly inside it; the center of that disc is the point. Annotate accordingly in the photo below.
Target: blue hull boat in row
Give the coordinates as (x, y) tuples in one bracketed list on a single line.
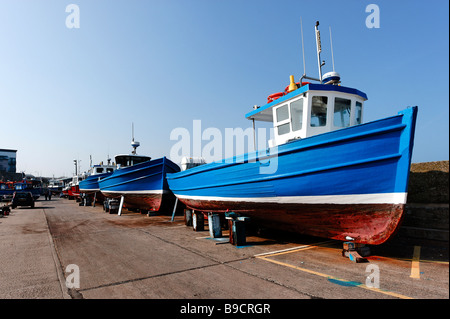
[(324, 174), (91, 183), (347, 183), (140, 181)]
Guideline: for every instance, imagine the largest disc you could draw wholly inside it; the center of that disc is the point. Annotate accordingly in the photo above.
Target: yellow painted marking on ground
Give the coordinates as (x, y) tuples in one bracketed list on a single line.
[(390, 293), (410, 259), (293, 249), (415, 270)]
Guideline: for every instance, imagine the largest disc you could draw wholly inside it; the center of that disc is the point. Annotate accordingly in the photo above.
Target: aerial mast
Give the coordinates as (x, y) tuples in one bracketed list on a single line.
[(332, 56), (319, 49), (133, 143), (304, 76), (303, 48)]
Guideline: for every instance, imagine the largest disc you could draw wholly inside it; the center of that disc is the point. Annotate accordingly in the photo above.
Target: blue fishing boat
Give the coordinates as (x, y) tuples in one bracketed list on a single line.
[(325, 173), (140, 181), (90, 185), (55, 186)]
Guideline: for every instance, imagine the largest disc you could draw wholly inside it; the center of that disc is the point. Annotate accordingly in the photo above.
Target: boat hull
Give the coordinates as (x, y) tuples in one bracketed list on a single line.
[(351, 182), (365, 223), (74, 191), (90, 185), (143, 186)]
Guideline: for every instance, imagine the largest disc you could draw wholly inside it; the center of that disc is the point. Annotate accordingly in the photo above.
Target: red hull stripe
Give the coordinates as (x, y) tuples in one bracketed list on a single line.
[(366, 223)]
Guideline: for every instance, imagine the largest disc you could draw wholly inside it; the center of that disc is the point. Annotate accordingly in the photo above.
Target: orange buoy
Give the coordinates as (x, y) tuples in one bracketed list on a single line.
[(274, 96)]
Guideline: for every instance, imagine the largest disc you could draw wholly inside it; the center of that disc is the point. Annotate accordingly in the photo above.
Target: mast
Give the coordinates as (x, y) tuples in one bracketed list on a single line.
[(332, 56), (303, 48), (304, 76), (319, 49)]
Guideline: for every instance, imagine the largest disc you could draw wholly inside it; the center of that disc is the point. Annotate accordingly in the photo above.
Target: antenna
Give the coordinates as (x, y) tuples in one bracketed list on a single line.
[(319, 49), (303, 48), (133, 143), (332, 56)]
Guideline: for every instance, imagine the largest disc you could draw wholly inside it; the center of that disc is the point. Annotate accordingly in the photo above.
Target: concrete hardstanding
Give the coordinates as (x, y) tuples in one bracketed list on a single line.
[(138, 256)]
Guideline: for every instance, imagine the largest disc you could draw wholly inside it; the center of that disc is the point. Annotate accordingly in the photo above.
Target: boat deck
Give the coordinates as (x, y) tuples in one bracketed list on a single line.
[(151, 257)]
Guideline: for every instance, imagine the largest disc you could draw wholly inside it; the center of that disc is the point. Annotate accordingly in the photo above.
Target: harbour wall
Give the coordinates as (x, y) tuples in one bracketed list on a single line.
[(427, 209)]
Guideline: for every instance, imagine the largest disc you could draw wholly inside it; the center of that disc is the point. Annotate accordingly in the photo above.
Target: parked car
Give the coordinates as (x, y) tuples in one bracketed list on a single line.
[(22, 199)]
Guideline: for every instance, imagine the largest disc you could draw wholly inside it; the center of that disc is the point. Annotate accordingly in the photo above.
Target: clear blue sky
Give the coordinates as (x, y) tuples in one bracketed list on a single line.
[(69, 93)]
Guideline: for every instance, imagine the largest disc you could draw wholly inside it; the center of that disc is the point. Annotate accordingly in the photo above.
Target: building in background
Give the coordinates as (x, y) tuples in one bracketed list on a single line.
[(7, 160), (8, 166)]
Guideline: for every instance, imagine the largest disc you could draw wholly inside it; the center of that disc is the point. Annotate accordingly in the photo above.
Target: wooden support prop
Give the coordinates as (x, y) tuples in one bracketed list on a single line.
[(174, 209), (95, 199), (122, 198)]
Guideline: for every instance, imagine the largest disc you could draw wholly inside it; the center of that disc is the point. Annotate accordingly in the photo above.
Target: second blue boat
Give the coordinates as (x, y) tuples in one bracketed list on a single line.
[(140, 181)]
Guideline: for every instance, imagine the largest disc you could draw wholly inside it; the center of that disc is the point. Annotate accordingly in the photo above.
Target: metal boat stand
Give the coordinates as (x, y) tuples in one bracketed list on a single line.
[(236, 225), (214, 225), (198, 221), (355, 252), (188, 217), (233, 222)]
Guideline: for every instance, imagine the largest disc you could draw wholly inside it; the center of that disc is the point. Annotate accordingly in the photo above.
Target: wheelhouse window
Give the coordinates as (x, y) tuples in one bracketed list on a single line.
[(342, 109), (358, 113), (297, 114), (282, 116), (282, 113), (319, 111), (283, 129), (131, 160)]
